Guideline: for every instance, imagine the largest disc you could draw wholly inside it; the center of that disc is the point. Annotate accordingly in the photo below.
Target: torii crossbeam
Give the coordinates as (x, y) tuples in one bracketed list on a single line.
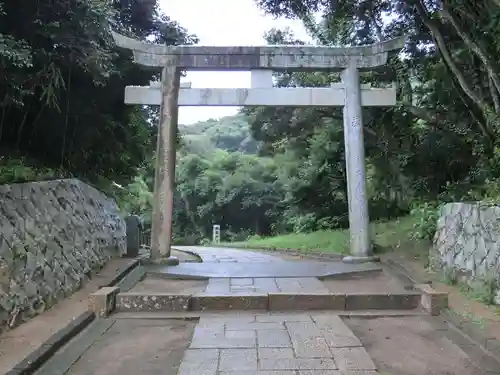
[(262, 62)]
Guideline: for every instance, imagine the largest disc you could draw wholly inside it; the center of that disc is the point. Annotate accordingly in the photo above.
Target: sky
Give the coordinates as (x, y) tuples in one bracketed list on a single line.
[(223, 23)]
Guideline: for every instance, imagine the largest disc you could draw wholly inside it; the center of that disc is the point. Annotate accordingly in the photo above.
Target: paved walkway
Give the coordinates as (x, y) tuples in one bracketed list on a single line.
[(229, 255), (269, 344), (274, 345), (234, 263)]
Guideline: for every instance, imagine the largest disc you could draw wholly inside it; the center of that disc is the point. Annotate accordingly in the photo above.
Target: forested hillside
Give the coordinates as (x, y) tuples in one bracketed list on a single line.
[(266, 170), (230, 133)]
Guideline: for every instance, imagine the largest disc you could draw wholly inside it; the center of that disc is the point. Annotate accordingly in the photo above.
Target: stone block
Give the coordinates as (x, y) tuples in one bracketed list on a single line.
[(103, 302), (306, 301), (250, 301), (431, 300), (152, 302), (382, 301), (134, 232)]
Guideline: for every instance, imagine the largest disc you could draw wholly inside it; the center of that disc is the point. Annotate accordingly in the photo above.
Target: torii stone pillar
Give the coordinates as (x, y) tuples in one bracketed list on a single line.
[(262, 61)]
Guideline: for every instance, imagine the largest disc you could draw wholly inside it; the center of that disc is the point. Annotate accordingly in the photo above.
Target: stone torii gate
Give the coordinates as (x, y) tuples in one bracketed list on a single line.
[(262, 62)]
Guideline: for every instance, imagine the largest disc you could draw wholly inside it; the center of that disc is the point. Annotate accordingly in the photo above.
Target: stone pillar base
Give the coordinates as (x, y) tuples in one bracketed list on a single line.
[(351, 259), (167, 261)]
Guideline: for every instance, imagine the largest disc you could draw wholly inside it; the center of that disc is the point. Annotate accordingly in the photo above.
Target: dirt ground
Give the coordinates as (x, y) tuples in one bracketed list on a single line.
[(380, 283), (16, 344), (487, 318), (159, 285), (131, 347), (411, 346)]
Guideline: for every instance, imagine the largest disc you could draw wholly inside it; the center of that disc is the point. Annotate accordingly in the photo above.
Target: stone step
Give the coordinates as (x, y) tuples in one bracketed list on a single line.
[(195, 315), (274, 301)]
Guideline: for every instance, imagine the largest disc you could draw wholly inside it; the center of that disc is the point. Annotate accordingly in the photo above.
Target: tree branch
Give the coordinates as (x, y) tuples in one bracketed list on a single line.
[(494, 95), (441, 44), (475, 47), (378, 29)]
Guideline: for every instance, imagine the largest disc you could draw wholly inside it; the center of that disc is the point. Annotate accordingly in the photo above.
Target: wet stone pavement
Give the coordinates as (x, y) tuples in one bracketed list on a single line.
[(275, 345), (233, 263), (267, 344)]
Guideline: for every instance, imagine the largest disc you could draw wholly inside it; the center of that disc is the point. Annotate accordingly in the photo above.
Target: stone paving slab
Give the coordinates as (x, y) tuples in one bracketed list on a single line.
[(225, 286), (275, 344)]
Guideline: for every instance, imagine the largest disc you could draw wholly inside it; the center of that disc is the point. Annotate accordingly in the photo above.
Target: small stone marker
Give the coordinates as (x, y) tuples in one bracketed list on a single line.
[(216, 234)]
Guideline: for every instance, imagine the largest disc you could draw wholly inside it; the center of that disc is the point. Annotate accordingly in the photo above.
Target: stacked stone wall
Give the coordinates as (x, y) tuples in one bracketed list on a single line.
[(467, 244), (53, 236)]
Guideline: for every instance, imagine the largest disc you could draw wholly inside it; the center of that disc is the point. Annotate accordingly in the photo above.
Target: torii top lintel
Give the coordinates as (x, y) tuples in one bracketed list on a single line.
[(277, 57)]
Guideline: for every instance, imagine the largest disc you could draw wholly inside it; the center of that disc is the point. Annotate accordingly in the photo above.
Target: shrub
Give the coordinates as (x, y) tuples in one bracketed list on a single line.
[(426, 215)]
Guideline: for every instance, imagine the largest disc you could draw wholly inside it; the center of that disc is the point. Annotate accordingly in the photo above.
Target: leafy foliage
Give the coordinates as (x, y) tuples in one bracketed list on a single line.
[(62, 84)]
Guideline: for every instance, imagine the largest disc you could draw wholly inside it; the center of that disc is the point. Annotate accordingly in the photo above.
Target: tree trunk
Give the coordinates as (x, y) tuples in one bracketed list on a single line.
[(466, 89), (475, 47)]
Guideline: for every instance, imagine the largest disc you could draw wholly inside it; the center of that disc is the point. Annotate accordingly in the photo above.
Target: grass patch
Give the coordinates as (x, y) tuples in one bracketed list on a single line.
[(388, 235), (334, 241)]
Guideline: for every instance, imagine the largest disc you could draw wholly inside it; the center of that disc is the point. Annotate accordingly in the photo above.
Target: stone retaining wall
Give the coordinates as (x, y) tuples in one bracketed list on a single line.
[(467, 243), (53, 235)]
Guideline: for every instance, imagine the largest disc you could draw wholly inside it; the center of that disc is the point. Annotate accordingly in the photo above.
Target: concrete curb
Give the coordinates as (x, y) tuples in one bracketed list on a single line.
[(469, 329), (47, 349), (122, 272)]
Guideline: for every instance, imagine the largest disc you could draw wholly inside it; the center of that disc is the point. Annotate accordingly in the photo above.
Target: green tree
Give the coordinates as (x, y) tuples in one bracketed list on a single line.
[(62, 84)]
